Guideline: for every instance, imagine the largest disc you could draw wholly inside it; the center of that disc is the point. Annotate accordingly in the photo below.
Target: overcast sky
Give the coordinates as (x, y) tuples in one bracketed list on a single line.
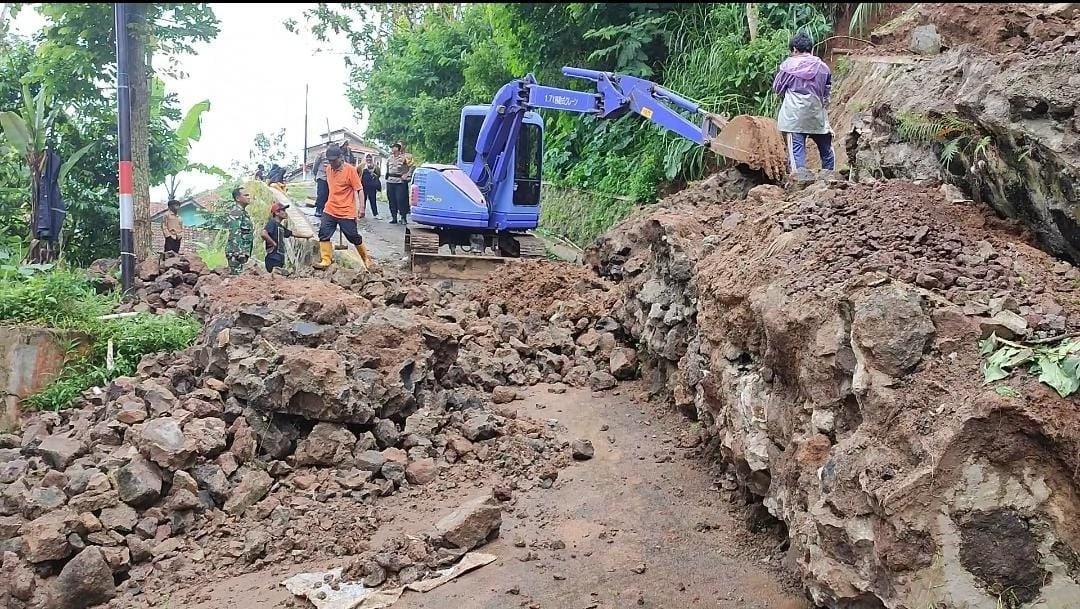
[(254, 74)]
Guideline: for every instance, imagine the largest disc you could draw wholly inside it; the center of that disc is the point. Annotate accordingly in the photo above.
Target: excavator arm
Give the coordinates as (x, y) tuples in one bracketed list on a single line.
[(753, 140)]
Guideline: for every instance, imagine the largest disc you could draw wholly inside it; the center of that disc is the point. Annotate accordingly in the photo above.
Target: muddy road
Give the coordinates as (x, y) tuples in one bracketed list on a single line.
[(644, 523)]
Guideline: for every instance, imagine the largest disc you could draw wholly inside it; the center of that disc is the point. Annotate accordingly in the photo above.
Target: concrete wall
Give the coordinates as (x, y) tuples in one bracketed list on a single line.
[(30, 359)]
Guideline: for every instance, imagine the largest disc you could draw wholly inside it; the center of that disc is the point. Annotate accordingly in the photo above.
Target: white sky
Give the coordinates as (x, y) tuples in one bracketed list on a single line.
[(254, 74)]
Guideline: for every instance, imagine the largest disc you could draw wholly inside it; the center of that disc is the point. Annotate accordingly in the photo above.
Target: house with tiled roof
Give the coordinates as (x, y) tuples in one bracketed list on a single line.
[(359, 146), (192, 209)]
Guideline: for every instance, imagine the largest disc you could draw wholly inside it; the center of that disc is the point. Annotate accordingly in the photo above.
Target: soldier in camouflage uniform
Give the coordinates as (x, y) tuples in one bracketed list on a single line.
[(241, 232)]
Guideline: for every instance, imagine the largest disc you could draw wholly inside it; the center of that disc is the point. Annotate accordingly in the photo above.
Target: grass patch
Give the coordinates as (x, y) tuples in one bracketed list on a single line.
[(580, 217), (65, 299)]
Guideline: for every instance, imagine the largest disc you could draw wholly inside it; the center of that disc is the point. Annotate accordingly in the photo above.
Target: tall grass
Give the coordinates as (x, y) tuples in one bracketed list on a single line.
[(64, 299), (713, 63), (578, 216), (864, 14)]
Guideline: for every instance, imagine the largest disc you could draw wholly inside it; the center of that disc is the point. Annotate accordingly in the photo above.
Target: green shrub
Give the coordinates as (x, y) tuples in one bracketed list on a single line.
[(65, 299), (59, 298), (132, 338)]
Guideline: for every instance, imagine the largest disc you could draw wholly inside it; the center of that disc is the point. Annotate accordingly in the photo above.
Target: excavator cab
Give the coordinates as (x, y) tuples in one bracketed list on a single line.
[(515, 204)]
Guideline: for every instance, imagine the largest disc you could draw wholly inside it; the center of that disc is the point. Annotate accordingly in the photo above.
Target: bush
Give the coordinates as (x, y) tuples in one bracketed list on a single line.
[(64, 299)]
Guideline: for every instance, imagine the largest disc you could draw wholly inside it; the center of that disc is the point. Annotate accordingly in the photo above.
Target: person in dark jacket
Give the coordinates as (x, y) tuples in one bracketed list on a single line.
[(274, 235), (276, 175), (322, 190), (371, 183)]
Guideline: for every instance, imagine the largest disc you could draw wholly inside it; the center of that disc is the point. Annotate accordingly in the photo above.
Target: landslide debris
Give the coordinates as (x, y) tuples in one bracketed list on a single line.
[(826, 341), (273, 438)]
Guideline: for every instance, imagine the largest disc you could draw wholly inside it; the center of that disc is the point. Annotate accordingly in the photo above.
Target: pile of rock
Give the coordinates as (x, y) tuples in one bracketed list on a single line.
[(166, 284), (827, 342), (258, 442)]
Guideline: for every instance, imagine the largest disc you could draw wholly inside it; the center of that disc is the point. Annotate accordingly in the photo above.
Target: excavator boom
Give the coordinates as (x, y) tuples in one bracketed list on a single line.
[(491, 198), (753, 140)]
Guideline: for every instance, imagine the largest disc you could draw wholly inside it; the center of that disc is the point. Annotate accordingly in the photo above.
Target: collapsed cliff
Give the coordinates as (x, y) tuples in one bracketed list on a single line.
[(996, 113), (827, 343)]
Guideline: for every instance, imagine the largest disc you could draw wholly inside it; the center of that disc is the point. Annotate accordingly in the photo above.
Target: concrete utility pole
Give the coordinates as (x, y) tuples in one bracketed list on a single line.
[(303, 157), (126, 173)]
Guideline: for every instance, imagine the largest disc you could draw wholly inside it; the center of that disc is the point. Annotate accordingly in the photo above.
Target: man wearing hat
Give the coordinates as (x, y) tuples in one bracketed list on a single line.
[(341, 211), (398, 174), (274, 235)]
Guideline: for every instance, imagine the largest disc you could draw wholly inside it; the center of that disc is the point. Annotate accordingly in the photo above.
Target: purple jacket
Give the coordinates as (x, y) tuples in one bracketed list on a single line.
[(804, 74)]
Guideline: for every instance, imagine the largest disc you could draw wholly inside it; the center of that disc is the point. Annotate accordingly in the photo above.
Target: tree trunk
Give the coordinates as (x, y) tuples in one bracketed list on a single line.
[(752, 20), (139, 63), (34, 255)]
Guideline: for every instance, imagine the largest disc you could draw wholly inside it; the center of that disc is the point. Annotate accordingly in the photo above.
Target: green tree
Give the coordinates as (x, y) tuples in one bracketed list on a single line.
[(77, 48), (267, 149)]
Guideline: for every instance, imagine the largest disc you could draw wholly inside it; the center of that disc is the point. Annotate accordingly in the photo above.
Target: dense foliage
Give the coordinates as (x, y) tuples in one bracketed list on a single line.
[(74, 58), (416, 68)]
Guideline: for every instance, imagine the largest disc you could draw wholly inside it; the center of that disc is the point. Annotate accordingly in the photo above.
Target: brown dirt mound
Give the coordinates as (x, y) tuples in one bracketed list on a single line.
[(994, 28), (233, 293), (536, 286), (911, 233)]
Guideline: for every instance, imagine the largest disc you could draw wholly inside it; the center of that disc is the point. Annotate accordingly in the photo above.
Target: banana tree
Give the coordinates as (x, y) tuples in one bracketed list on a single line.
[(28, 134), (190, 130)]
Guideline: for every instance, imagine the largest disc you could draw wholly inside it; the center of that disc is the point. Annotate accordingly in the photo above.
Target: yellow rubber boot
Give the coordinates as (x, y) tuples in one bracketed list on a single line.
[(365, 256), (326, 255)]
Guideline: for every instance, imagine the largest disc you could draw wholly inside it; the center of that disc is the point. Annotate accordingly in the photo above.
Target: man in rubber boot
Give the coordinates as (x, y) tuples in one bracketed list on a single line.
[(340, 212), (241, 232), (805, 84)]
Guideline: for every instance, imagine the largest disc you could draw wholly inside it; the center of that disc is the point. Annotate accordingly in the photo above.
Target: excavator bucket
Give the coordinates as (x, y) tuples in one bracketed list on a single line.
[(754, 140)]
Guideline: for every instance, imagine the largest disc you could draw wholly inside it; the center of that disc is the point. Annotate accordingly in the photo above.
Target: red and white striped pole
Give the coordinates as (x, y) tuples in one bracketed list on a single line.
[(127, 182)]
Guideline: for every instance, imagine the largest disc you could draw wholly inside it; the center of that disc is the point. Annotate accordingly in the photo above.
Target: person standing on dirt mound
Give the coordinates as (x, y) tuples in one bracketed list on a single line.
[(341, 210), (804, 83)]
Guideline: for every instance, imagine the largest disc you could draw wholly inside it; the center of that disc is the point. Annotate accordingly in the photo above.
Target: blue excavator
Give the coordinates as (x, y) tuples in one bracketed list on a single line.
[(490, 199)]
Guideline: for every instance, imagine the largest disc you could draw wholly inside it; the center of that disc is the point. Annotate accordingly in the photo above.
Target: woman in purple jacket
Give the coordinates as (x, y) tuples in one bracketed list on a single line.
[(805, 83)]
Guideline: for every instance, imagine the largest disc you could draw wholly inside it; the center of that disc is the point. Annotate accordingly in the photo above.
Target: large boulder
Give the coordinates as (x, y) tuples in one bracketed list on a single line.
[(891, 328), (85, 581), (470, 525)]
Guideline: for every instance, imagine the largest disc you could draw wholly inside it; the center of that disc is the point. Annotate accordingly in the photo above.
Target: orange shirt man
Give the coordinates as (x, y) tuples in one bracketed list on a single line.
[(343, 182)]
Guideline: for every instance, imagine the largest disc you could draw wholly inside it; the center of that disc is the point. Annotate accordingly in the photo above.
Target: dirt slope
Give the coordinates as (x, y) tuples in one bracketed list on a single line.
[(826, 340)]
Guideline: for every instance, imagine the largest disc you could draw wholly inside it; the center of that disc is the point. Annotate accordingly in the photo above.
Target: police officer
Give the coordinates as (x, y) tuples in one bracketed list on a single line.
[(398, 174), (241, 232)]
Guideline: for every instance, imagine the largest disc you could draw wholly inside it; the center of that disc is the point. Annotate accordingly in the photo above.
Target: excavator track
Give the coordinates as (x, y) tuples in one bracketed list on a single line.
[(421, 241), (530, 246), (425, 259)]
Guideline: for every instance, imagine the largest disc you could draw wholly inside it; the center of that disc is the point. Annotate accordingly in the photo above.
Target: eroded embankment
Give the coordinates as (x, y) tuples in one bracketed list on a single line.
[(827, 343), (1004, 128)]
